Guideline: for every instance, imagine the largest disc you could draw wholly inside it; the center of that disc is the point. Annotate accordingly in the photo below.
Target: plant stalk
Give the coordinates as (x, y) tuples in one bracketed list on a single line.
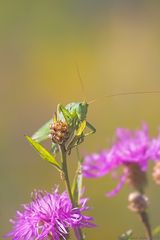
[(77, 231), (145, 220)]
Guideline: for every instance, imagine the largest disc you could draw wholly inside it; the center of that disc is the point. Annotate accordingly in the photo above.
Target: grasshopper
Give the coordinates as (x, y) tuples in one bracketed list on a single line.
[(74, 114)]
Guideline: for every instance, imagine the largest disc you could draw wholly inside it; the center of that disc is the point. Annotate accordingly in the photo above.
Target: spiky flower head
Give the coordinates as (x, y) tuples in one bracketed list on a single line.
[(49, 216), (132, 150), (59, 132)]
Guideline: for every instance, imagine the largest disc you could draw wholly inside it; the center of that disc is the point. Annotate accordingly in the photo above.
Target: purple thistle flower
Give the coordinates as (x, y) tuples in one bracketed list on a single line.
[(131, 148), (49, 216)]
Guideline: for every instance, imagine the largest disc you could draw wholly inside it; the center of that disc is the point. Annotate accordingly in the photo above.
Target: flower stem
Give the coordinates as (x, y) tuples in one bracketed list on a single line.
[(78, 231), (65, 172), (145, 220)]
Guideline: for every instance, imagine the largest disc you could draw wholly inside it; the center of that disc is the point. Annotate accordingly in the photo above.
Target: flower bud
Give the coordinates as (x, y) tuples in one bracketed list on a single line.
[(137, 202)]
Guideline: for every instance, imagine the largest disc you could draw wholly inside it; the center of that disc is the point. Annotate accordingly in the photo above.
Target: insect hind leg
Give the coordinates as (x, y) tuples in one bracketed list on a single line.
[(90, 126)]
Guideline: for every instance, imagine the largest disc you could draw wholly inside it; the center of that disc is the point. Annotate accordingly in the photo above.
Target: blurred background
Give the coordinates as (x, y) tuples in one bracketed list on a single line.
[(116, 45)]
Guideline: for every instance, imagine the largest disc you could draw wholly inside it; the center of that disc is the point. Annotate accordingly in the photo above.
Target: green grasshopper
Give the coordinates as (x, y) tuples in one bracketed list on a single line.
[(75, 115)]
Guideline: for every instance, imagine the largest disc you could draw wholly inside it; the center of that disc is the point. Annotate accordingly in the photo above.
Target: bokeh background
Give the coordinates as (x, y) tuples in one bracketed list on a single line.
[(116, 45)]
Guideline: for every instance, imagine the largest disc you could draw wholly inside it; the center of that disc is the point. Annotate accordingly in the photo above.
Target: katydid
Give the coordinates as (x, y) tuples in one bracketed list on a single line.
[(74, 114)]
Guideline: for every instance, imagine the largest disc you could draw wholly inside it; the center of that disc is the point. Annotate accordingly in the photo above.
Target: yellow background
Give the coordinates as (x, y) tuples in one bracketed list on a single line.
[(116, 45)]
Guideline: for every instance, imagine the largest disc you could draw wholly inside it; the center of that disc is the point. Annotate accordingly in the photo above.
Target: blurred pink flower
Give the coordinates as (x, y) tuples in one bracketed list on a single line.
[(130, 148)]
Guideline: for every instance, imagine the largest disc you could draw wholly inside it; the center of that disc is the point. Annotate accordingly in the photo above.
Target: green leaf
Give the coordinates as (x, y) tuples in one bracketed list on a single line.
[(43, 153), (77, 185), (126, 236), (43, 132)]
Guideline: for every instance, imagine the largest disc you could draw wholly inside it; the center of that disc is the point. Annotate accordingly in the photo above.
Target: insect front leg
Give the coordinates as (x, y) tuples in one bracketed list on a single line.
[(75, 143), (64, 114), (80, 138)]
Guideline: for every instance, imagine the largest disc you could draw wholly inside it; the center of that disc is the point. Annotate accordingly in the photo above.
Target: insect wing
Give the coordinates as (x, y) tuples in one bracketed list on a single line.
[(42, 133)]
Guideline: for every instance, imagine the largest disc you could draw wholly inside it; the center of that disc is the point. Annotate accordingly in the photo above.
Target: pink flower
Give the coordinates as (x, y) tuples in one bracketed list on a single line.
[(49, 216), (130, 148)]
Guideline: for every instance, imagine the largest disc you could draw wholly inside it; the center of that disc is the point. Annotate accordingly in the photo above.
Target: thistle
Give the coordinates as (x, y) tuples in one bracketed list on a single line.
[(132, 150), (49, 216)]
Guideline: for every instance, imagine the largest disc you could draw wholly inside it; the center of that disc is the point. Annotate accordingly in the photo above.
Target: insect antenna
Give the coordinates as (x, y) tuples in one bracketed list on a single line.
[(81, 82), (124, 94)]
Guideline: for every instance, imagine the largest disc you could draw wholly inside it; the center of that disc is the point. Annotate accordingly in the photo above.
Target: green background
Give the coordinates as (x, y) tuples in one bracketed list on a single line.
[(116, 45)]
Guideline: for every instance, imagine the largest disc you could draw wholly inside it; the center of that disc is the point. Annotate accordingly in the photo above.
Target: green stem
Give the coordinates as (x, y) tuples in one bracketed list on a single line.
[(78, 231), (65, 172)]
